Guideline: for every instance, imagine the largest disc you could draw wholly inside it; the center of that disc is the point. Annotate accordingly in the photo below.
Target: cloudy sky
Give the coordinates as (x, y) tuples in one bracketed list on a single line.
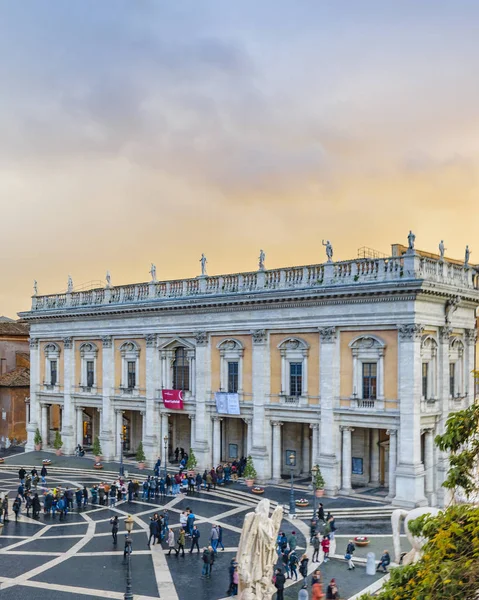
[(151, 131)]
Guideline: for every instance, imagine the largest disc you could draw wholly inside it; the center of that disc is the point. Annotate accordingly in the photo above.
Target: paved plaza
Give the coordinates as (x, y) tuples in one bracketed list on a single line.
[(77, 559)]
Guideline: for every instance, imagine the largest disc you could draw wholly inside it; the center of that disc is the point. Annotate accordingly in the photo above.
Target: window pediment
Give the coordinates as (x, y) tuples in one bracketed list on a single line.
[(129, 348), (52, 349), (88, 349)]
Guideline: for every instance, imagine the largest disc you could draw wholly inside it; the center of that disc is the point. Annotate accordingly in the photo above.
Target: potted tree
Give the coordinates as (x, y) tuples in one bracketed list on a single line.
[(249, 472), (57, 444), (318, 483), (97, 450), (37, 440), (140, 456), (191, 463)]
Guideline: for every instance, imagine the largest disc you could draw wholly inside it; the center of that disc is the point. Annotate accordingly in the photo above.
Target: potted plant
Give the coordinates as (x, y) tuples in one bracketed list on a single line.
[(249, 472), (318, 483), (37, 440), (302, 502), (140, 456), (257, 489), (57, 444), (97, 450), (191, 463)]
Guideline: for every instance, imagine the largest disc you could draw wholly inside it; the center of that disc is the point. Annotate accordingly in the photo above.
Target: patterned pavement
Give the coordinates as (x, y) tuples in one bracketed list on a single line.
[(77, 559)]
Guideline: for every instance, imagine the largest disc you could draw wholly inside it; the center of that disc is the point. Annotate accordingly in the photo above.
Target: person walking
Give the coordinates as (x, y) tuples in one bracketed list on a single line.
[(285, 562), (153, 530), (214, 538), (43, 474), (231, 570), (235, 582), (195, 536), (114, 528), (21, 475), (321, 512), (206, 563), (4, 509), (384, 561), (171, 540), (292, 541), (28, 504), (78, 498), (293, 564), (36, 506), (17, 505), (332, 592), (279, 581), (181, 543), (317, 591), (303, 593), (212, 559), (325, 545), (220, 537), (190, 521), (85, 496), (303, 568), (316, 545), (349, 555)]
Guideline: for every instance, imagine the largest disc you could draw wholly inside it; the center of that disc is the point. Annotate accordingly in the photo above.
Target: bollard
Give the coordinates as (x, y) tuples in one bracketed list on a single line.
[(371, 564)]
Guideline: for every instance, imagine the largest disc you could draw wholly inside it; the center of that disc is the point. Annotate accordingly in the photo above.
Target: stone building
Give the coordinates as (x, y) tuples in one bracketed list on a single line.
[(14, 379), (353, 365)]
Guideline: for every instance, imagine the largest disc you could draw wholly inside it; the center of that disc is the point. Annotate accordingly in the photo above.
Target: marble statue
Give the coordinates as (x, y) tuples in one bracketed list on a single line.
[(203, 262), (153, 272), (70, 284), (262, 257), (467, 256), (35, 287), (416, 542), (329, 249), (441, 250), (108, 279), (411, 238), (257, 552)]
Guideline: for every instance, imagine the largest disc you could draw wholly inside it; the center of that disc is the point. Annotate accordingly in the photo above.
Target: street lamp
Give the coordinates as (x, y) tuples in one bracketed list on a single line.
[(292, 505), (127, 554), (122, 468), (165, 440)]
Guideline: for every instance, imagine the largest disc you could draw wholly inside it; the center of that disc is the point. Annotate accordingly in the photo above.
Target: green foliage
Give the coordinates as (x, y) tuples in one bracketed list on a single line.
[(96, 447), (461, 440), (191, 462), (318, 479), (450, 564), (249, 470), (140, 454), (57, 444), (38, 437)]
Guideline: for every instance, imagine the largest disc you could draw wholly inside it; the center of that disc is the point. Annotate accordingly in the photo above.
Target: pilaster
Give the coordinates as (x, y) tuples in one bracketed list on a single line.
[(34, 422), (261, 450), (202, 447), (68, 414), (107, 429), (150, 437)]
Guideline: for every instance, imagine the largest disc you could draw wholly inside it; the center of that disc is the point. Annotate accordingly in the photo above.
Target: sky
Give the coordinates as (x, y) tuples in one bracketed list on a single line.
[(152, 131)]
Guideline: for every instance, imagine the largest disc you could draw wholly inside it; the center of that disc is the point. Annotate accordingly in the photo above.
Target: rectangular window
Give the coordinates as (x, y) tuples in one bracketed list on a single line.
[(452, 379), (53, 372), (90, 373), (370, 380), (425, 372), (295, 379), (233, 372), (131, 374)]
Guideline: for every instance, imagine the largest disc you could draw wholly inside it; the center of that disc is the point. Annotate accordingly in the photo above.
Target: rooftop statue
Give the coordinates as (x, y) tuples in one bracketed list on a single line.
[(203, 262), (153, 272), (411, 238), (262, 257), (329, 250)]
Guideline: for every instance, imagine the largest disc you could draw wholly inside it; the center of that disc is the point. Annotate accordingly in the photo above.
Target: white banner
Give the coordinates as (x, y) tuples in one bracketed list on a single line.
[(227, 404)]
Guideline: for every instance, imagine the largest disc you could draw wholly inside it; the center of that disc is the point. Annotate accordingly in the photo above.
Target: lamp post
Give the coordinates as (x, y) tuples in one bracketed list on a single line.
[(122, 468), (314, 471), (127, 555), (165, 440), (292, 505)]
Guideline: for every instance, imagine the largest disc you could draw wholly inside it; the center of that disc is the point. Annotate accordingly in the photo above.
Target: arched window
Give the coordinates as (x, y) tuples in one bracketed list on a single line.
[(181, 370), (429, 368), (457, 375), (88, 354), (52, 360), (368, 367), (130, 367), (294, 367), (231, 365)]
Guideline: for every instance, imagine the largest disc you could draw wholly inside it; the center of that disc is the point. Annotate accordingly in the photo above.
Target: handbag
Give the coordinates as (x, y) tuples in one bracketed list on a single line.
[(347, 556)]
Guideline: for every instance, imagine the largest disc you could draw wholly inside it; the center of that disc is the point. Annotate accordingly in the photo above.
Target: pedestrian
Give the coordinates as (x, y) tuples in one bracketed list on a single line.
[(214, 538), (316, 545), (195, 536), (131, 489), (325, 545), (285, 562), (212, 559), (36, 506), (231, 570), (198, 481), (101, 494), (153, 530), (4, 509), (78, 497), (114, 528), (190, 521), (112, 495), (312, 529), (235, 582), (220, 537), (209, 481), (171, 540), (384, 561), (206, 571), (21, 475), (292, 542), (332, 525), (279, 581), (17, 505), (43, 474), (315, 577), (349, 555), (303, 593), (28, 504), (317, 591), (332, 592), (181, 543), (321, 512), (303, 567), (293, 565), (85, 497)]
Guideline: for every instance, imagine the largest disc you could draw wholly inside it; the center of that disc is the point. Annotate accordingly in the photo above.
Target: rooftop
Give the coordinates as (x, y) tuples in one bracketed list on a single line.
[(14, 328), (19, 377)]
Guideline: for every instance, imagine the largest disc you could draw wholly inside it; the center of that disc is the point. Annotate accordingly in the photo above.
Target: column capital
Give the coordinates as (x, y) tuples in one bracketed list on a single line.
[(192, 416), (391, 432), (79, 407), (142, 413), (34, 342), (276, 423), (471, 336), (445, 333), (201, 338), (410, 331), (314, 426), (346, 428), (259, 336), (165, 414), (216, 419), (428, 430), (248, 421), (119, 411), (150, 340), (328, 334), (68, 343), (106, 341)]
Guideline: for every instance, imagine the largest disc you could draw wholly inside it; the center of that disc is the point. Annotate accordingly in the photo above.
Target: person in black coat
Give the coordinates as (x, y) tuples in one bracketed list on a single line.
[(321, 512), (114, 528), (21, 474), (279, 582), (43, 474), (154, 531), (36, 506)]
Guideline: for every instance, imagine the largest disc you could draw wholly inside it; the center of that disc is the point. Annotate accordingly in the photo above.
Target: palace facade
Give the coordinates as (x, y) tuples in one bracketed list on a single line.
[(352, 365)]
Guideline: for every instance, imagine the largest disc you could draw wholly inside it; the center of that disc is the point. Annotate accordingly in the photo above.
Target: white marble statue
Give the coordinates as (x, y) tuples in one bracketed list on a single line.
[(441, 250), (329, 249), (203, 262), (153, 272), (416, 542), (262, 257), (411, 238), (467, 256), (108, 279), (70, 284), (35, 287), (257, 552)]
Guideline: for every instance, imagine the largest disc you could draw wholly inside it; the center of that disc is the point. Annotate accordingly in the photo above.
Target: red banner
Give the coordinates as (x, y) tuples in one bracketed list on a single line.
[(172, 399)]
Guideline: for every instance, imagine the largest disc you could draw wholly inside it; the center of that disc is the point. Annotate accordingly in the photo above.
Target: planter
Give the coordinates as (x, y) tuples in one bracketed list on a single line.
[(2, 460), (38, 447), (141, 466), (257, 490), (98, 465), (361, 540), (46, 461), (249, 482), (319, 493), (301, 504), (58, 452)]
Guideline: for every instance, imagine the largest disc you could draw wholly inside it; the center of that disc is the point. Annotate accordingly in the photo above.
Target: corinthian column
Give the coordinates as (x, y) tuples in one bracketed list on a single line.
[(277, 450), (346, 457)]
